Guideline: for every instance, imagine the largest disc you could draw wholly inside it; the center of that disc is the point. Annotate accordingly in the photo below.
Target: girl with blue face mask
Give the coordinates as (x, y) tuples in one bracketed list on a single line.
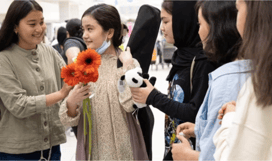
[(111, 110)]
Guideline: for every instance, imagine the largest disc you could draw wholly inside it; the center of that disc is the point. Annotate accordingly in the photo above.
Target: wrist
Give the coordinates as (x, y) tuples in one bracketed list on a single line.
[(63, 93), (71, 108)]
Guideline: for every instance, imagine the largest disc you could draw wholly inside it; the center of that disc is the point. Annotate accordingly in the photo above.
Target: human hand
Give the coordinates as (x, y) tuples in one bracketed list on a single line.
[(140, 95), (187, 128), (126, 58), (65, 90), (79, 93), (227, 107), (183, 150)]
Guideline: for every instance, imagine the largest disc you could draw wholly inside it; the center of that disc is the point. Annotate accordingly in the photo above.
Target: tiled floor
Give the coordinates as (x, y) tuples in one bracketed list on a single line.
[(68, 149)]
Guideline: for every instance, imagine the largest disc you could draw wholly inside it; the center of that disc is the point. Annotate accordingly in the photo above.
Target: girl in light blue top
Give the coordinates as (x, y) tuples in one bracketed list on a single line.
[(220, 40)]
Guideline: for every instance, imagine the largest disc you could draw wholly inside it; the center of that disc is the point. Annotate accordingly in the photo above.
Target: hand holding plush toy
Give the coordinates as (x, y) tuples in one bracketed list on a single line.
[(135, 78)]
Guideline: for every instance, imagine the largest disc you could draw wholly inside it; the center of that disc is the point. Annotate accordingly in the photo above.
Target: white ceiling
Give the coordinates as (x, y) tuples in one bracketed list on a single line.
[(51, 7)]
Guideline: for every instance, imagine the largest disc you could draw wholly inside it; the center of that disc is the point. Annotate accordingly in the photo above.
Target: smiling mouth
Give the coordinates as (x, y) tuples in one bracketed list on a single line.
[(38, 36)]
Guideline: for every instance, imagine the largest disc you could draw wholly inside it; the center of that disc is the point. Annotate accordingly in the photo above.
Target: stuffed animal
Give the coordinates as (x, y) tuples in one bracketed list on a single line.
[(135, 78)]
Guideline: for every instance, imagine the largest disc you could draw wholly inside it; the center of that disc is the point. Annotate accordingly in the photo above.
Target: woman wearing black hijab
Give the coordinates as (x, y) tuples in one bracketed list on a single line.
[(179, 25)]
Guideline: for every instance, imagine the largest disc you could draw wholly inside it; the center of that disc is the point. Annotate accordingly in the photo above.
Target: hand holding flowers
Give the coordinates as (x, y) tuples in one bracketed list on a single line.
[(84, 70), (76, 96)]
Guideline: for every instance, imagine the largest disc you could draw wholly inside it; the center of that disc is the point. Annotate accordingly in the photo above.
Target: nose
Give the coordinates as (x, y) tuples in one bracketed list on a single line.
[(162, 28), (40, 28), (84, 36)]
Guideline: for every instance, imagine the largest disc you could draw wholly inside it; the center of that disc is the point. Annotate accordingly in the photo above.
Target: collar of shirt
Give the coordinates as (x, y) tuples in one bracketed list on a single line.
[(25, 52), (239, 66)]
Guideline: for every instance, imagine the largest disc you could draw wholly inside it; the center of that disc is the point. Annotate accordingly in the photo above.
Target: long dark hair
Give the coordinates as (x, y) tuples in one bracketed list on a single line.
[(257, 46), (168, 6), (18, 10), (223, 40), (108, 17)]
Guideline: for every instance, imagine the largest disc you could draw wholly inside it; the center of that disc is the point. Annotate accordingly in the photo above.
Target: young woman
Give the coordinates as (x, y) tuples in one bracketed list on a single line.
[(246, 133), (220, 37), (179, 26), (31, 87), (111, 111)]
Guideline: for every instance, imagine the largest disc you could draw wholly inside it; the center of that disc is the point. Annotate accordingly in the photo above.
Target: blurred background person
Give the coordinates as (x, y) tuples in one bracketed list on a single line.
[(74, 43), (61, 36)]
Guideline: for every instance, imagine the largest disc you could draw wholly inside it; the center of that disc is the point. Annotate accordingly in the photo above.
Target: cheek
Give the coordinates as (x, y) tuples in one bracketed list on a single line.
[(239, 24)]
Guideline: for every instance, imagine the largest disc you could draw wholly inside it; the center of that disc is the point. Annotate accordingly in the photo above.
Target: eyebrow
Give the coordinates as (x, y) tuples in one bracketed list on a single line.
[(89, 25), (34, 20)]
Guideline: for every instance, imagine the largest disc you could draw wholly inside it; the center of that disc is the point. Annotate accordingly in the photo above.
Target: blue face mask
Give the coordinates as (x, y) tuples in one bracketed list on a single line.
[(103, 47)]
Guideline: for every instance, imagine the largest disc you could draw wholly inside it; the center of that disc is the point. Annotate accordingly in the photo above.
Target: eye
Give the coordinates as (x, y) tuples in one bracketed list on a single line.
[(42, 23), (89, 29)]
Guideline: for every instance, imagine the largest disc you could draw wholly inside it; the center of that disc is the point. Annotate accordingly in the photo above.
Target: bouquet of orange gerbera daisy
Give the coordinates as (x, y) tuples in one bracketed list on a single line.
[(85, 70)]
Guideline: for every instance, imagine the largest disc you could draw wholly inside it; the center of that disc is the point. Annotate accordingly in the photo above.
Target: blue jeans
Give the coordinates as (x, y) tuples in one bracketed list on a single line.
[(55, 155)]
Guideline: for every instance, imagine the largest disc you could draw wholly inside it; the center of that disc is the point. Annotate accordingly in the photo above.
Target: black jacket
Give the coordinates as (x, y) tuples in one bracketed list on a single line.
[(187, 110)]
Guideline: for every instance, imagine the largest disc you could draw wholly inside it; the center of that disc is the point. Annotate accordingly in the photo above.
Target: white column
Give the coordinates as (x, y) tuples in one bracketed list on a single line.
[(64, 10), (74, 11)]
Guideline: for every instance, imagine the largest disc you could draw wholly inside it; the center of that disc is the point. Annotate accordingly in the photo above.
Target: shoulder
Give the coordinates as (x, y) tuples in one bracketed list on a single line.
[(6, 55), (49, 50), (203, 67), (70, 42)]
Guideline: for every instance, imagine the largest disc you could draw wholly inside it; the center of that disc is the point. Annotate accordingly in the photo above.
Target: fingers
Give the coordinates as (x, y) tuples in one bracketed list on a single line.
[(180, 128), (87, 95), (147, 82), (128, 49), (187, 133), (233, 102), (182, 138)]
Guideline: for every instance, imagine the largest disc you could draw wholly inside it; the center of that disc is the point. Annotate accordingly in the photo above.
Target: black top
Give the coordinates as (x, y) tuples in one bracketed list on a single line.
[(184, 105), (72, 42), (58, 48)]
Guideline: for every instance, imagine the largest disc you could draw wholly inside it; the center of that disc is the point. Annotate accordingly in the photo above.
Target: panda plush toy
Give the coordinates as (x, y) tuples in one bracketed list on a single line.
[(135, 78)]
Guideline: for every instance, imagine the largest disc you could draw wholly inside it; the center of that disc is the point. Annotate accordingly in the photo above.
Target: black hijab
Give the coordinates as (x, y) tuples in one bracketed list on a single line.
[(185, 31)]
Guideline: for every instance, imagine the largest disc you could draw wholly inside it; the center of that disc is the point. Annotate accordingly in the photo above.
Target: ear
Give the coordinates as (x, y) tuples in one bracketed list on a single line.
[(67, 34), (16, 29), (140, 74), (123, 77), (145, 76), (111, 33), (153, 80)]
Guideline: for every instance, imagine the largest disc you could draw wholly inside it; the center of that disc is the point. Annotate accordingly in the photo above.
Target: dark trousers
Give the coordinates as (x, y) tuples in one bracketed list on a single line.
[(55, 155)]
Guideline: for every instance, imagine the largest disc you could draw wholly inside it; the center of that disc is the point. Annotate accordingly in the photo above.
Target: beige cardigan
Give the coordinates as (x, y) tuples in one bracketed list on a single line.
[(26, 76), (111, 112), (247, 133)]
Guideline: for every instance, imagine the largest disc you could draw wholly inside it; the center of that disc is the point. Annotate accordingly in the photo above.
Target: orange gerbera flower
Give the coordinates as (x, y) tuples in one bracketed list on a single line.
[(86, 77), (68, 73), (88, 61)]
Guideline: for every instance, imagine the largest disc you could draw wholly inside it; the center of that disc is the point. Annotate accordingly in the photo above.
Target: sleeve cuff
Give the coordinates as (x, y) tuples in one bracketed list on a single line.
[(227, 119), (151, 96), (40, 103), (67, 120)]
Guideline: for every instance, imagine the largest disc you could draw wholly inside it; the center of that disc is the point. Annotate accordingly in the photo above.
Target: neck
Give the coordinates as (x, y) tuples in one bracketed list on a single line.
[(26, 46), (111, 51)]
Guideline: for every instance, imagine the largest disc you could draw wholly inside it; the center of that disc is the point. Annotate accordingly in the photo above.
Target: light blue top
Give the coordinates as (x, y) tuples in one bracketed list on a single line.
[(224, 86)]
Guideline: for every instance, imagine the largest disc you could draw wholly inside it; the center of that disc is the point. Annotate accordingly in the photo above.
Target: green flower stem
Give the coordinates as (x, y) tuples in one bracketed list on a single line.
[(86, 111)]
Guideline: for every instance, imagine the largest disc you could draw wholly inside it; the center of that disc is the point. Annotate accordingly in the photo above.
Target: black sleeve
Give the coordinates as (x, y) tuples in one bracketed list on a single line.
[(183, 111)]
